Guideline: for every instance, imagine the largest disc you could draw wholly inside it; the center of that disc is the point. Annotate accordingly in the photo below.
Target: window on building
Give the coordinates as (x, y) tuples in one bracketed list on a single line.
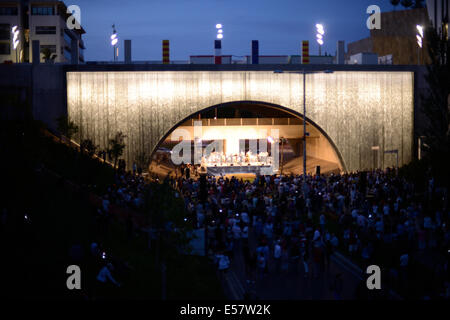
[(45, 30), (42, 11), (5, 31), (8, 11), (5, 48)]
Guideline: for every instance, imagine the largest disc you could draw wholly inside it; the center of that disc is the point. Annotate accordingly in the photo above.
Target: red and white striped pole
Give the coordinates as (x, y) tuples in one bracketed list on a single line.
[(217, 51)]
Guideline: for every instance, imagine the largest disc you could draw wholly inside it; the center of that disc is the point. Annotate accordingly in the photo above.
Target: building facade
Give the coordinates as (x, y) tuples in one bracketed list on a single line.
[(44, 20), (396, 38), (439, 13)]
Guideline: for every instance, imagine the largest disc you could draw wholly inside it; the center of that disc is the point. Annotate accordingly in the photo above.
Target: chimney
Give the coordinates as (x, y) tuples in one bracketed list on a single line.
[(217, 51), (340, 52), (305, 52), (165, 52), (127, 48), (255, 52)]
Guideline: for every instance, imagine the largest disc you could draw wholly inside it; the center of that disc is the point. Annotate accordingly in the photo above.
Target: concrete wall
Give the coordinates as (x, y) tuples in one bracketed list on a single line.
[(43, 86)]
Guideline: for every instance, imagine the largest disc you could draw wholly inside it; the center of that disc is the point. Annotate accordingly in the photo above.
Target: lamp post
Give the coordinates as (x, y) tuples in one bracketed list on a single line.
[(304, 72), (218, 44), (282, 141), (419, 37), (15, 32), (114, 41), (319, 35)]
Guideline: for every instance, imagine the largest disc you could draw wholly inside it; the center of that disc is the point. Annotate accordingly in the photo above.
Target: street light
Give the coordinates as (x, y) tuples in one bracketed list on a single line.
[(15, 31), (319, 35), (419, 37), (271, 140), (304, 72), (114, 41)]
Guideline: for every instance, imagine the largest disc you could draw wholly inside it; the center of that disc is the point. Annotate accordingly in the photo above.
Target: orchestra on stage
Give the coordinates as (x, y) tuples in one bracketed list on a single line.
[(220, 159)]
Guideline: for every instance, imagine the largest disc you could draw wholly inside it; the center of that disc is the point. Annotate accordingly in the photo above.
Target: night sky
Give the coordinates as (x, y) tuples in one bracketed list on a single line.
[(190, 25)]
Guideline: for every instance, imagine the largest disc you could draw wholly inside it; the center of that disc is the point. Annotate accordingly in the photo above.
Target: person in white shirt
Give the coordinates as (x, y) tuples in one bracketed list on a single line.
[(245, 232), (237, 232), (244, 217), (277, 256)]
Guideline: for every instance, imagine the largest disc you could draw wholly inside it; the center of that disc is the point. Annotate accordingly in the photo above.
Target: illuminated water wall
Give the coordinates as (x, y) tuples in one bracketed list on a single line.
[(357, 110)]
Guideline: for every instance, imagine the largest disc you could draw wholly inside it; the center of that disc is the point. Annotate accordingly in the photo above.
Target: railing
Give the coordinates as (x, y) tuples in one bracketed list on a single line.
[(245, 122)]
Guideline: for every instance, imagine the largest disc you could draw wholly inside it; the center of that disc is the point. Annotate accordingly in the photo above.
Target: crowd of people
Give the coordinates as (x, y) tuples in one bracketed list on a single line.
[(374, 217)]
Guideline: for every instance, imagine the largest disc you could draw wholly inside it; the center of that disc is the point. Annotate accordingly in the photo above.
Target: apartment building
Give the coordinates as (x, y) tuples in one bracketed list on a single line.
[(43, 20)]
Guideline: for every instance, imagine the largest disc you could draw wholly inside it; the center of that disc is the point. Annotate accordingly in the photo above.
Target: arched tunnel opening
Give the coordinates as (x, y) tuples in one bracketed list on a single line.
[(244, 139)]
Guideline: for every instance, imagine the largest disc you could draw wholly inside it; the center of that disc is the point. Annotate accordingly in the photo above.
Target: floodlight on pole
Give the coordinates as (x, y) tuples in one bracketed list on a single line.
[(319, 35), (305, 134), (419, 38), (15, 32), (114, 41), (219, 28)]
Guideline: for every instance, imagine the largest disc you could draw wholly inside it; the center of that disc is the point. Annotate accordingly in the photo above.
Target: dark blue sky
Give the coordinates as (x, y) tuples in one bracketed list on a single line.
[(279, 25)]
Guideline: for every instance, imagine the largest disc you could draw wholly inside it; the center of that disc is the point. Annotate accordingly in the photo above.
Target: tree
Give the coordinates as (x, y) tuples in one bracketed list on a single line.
[(142, 159), (167, 216), (89, 146), (66, 127), (418, 4), (48, 55), (436, 103), (407, 3), (116, 146), (395, 3)]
